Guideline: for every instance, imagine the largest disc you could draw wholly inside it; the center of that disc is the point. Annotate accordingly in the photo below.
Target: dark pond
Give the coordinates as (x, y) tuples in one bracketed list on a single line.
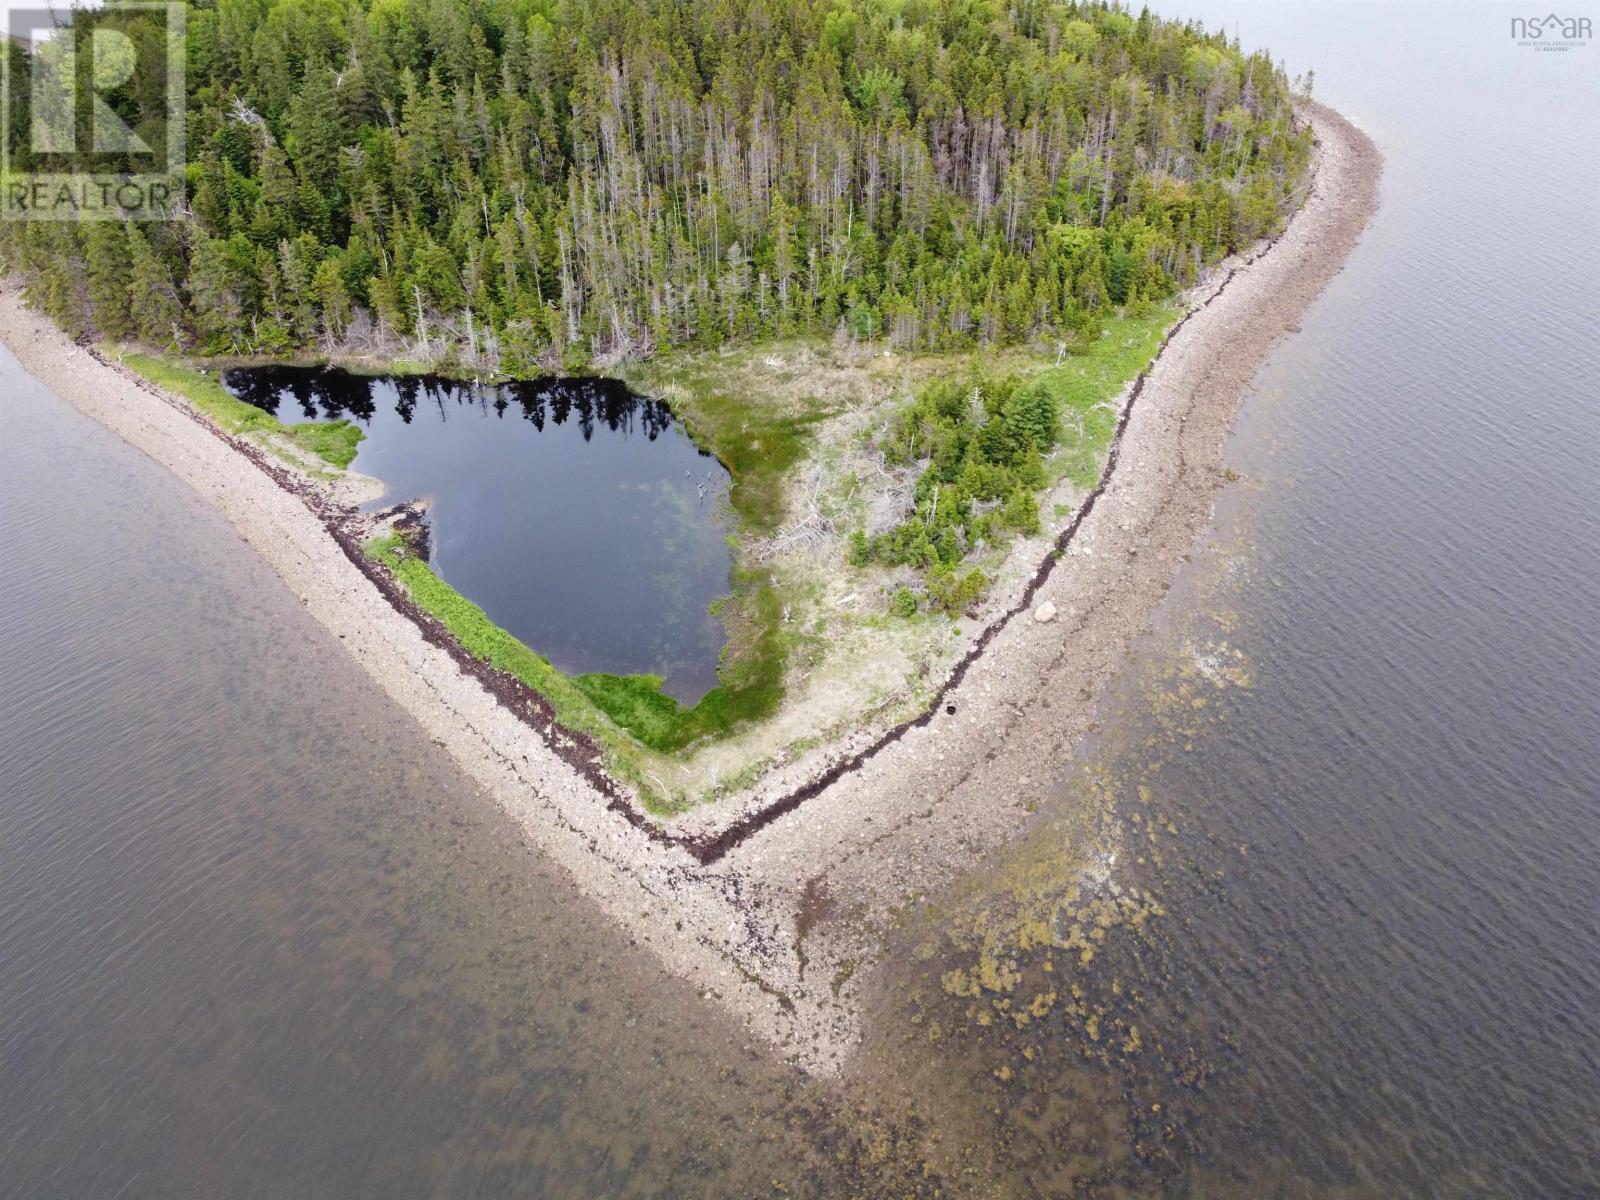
[(578, 514)]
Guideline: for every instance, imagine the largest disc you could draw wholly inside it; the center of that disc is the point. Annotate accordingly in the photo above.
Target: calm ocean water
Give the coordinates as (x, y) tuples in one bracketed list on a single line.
[(257, 941)]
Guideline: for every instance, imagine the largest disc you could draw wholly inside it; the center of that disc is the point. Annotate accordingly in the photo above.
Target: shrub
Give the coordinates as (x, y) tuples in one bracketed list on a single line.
[(1021, 512), (860, 553), (1033, 414), (954, 593)]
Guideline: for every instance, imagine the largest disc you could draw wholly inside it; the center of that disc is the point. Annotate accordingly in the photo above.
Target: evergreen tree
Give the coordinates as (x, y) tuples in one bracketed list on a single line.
[(106, 276), (154, 307), (610, 177)]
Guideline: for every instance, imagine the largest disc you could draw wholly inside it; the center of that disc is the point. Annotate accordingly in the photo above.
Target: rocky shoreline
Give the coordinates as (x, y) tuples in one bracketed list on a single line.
[(766, 900)]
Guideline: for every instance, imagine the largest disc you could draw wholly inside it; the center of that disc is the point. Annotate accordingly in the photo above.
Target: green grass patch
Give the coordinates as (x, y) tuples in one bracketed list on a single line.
[(752, 683), (758, 450), (1085, 383), (757, 441), (334, 442)]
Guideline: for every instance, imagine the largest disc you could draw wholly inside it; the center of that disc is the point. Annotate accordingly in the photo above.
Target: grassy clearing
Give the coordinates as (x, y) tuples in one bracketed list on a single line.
[(766, 411), (334, 442), (1086, 383), (759, 438)]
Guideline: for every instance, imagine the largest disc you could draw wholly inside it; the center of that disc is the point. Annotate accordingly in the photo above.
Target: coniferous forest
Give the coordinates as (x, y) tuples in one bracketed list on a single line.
[(526, 185)]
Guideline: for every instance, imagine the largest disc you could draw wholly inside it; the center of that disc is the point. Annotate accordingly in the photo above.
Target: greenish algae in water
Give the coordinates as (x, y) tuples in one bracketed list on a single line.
[(1043, 982)]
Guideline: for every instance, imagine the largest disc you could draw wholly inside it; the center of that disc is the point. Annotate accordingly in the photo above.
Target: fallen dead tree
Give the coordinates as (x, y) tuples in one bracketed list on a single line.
[(810, 532)]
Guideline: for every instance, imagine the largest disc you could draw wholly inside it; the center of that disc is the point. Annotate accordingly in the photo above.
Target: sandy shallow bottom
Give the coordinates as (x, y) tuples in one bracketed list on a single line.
[(785, 925)]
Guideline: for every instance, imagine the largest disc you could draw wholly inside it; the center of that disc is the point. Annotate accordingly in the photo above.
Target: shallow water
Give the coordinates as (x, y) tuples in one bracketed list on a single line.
[(578, 515), (258, 941), (1356, 771), (260, 938)]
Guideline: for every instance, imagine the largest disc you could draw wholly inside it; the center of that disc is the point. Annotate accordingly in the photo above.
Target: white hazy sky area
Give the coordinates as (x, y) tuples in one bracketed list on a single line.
[(62, 13)]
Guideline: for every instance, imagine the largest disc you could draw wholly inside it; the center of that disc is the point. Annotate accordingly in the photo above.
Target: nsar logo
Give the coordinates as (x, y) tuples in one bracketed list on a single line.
[(1551, 32)]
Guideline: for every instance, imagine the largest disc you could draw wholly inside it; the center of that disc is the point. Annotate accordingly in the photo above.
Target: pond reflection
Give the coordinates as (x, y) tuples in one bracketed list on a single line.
[(295, 394), (578, 514)]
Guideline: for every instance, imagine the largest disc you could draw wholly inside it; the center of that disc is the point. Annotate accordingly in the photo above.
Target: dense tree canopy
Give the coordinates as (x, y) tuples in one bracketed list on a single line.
[(518, 184)]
